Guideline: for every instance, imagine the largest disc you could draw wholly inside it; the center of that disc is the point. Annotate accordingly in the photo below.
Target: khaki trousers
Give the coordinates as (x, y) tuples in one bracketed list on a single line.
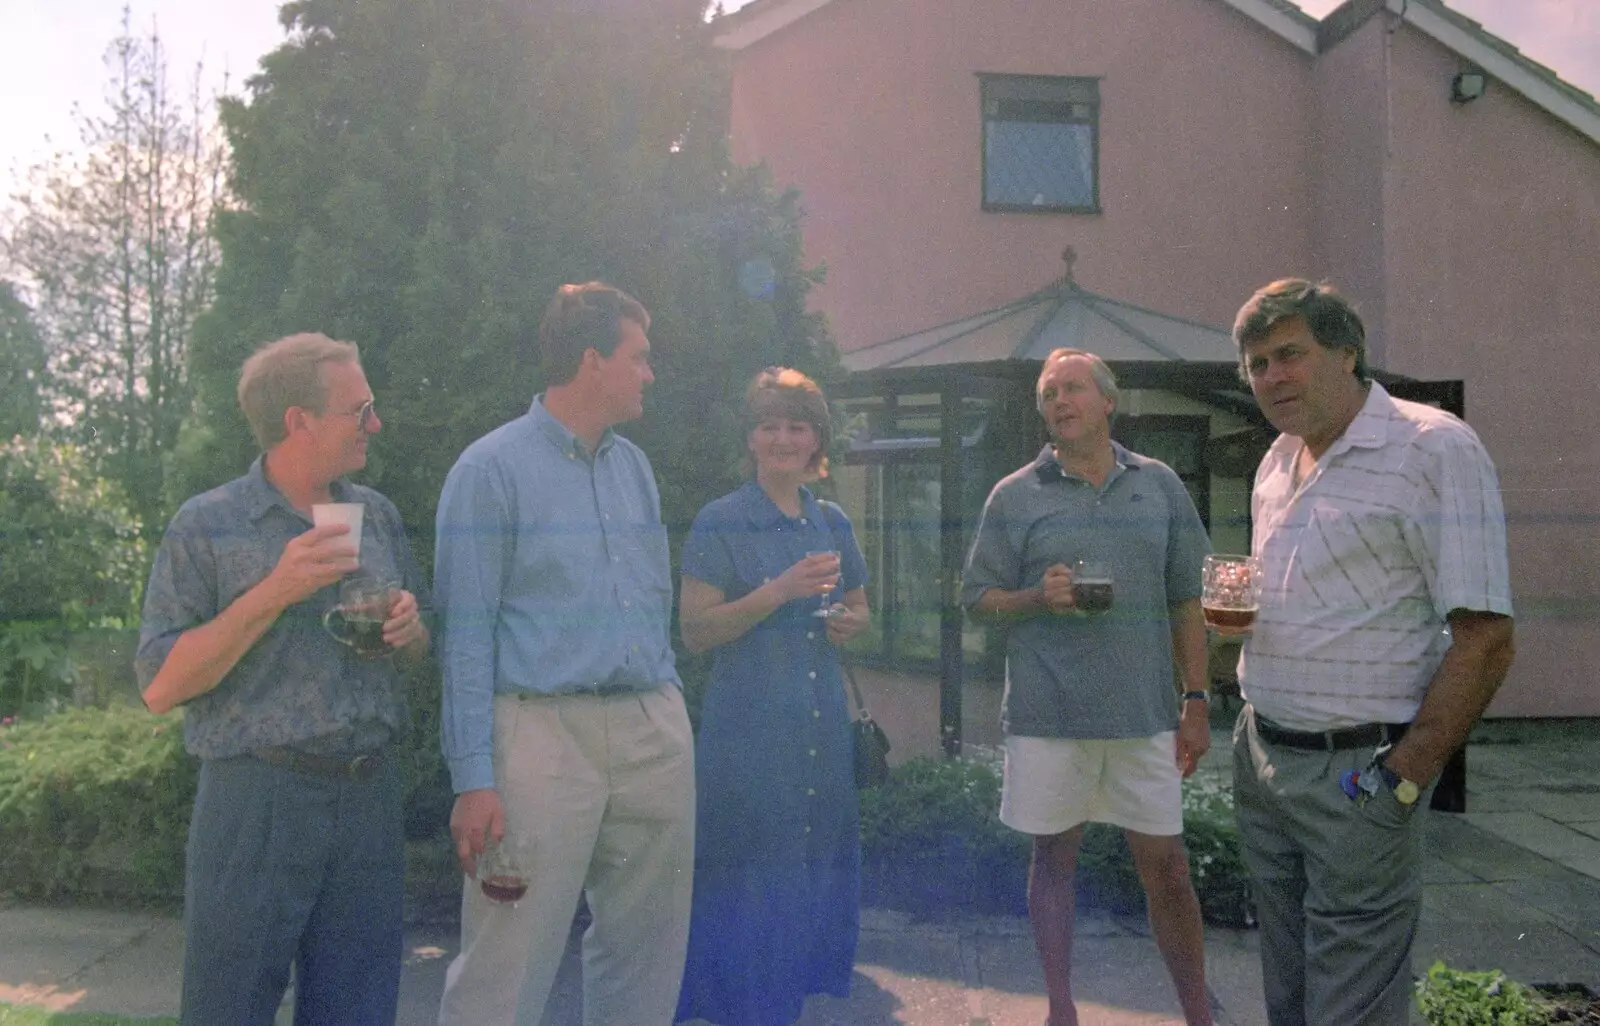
[(602, 788)]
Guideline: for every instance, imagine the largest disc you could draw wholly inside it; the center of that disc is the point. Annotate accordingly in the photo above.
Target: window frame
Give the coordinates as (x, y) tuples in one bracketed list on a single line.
[(1046, 88)]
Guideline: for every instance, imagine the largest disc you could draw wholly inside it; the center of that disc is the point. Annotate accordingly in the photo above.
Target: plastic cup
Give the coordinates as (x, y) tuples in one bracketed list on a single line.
[(351, 513)]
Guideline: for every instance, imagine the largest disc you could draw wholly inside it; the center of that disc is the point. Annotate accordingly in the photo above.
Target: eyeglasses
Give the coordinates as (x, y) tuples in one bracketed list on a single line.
[(366, 417)]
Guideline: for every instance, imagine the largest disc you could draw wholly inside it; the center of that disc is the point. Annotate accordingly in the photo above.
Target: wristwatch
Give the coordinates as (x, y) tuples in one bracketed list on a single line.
[(1406, 792), (1197, 696)]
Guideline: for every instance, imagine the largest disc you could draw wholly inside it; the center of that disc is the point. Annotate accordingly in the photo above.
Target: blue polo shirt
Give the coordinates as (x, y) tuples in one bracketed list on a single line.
[(296, 685), (1109, 675), (552, 577)]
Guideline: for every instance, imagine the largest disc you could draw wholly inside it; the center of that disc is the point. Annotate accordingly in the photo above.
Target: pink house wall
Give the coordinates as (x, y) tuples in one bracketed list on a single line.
[(1467, 233), (871, 107), (1492, 240)]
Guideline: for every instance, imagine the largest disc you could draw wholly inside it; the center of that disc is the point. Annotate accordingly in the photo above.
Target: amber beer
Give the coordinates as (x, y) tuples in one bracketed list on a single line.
[(1230, 592), (1223, 618)]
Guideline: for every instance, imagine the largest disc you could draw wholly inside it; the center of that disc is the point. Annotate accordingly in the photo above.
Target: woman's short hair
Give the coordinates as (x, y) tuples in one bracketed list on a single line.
[(287, 373), (580, 318), (1331, 318), (788, 393)]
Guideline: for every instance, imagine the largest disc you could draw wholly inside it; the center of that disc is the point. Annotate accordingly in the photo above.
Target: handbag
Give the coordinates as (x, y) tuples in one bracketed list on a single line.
[(871, 744)]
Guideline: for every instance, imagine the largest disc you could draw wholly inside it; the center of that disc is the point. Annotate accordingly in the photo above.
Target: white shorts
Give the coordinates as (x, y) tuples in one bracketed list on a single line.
[(1053, 784)]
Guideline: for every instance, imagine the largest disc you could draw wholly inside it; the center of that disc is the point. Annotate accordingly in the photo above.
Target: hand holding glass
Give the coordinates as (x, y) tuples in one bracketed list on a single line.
[(826, 607), (358, 619), (1230, 592), (504, 868), (1091, 586)]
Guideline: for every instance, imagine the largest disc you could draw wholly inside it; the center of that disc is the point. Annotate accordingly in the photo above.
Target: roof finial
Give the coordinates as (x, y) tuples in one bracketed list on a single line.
[(1069, 256)]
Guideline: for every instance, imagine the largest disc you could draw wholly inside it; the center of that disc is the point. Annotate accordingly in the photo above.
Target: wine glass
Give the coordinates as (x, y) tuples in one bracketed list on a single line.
[(825, 608)]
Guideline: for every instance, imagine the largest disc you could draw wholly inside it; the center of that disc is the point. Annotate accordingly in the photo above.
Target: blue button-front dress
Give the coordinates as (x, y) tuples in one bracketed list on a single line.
[(777, 844)]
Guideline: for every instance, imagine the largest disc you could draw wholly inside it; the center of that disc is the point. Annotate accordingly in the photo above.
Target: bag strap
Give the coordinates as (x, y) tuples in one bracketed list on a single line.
[(846, 665), (845, 662)]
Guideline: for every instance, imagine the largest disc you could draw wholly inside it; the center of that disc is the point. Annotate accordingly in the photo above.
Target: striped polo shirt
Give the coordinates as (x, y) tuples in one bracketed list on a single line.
[(1399, 524)]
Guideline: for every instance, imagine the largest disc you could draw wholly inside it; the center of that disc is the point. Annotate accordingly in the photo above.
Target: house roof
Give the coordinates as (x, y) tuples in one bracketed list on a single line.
[(1468, 39), (1063, 314)]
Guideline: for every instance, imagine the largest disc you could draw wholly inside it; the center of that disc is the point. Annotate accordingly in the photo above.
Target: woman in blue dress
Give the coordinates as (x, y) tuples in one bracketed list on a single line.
[(777, 842)]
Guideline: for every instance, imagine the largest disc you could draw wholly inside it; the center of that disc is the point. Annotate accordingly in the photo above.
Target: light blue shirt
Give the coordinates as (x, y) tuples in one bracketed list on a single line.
[(552, 577)]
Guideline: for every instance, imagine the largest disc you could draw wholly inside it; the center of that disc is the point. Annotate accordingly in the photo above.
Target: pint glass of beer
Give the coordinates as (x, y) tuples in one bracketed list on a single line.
[(1231, 592)]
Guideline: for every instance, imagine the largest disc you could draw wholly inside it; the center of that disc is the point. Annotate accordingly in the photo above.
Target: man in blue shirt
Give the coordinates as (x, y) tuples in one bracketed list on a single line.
[(1092, 728), (296, 851), (564, 724)]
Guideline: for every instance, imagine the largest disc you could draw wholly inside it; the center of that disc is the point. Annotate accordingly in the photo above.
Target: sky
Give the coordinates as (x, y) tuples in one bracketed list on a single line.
[(55, 54)]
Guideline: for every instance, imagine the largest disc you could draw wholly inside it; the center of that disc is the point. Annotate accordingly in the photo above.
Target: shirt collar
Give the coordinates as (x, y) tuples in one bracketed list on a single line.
[(261, 495), (560, 435), (1049, 468), (1368, 430), (761, 511)]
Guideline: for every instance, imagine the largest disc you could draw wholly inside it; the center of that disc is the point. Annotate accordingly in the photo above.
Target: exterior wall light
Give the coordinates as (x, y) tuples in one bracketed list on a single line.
[(1467, 86)]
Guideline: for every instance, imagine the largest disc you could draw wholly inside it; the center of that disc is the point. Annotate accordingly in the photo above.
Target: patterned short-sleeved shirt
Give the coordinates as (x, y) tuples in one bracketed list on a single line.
[(1399, 524), (297, 685)]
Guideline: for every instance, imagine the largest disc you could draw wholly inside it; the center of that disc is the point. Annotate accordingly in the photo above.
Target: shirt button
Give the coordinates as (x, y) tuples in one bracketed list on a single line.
[(808, 830), (816, 714), (812, 675), (810, 635), (812, 753), (803, 520), (811, 790)]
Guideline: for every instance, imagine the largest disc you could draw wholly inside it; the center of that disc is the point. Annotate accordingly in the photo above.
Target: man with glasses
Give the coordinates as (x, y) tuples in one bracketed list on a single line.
[(1384, 630), (295, 853), (564, 723)]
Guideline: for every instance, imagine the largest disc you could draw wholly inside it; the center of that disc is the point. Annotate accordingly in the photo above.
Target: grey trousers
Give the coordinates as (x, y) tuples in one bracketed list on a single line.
[(285, 868), (1337, 885)]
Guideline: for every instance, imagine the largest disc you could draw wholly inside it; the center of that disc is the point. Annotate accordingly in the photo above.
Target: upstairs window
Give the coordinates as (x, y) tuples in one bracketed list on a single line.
[(1041, 143)]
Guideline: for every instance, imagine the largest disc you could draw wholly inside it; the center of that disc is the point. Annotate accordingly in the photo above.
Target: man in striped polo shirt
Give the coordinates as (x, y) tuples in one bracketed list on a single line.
[(1384, 630)]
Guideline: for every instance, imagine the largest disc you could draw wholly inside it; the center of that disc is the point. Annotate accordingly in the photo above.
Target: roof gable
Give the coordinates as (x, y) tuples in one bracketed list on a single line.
[(759, 19)]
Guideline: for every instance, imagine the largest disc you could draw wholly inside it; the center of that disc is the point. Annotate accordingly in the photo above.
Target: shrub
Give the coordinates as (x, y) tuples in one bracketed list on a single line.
[(1453, 997), (95, 802), (71, 558)]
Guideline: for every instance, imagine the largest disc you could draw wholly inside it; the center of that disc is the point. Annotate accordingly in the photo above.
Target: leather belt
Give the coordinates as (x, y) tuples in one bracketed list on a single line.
[(1367, 735), (359, 768)]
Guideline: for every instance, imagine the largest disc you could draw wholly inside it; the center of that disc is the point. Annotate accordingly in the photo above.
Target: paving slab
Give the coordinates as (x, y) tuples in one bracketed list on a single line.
[(61, 945), (1555, 841), (1480, 926)]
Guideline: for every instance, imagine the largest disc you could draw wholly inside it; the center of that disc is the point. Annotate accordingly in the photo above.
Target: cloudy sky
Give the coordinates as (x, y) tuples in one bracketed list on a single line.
[(56, 48)]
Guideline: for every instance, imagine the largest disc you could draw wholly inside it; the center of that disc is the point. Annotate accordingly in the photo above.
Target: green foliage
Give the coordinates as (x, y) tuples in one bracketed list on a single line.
[(932, 843), (95, 802), (69, 547), (1454, 997), (418, 176), (11, 1016), (70, 558), (22, 366)]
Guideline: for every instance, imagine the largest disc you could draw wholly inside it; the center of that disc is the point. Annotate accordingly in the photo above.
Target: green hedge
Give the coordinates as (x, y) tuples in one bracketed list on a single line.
[(95, 802), (1453, 997)]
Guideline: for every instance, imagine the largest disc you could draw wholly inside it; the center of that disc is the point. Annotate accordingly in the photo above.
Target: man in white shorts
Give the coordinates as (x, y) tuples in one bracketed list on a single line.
[(1093, 727)]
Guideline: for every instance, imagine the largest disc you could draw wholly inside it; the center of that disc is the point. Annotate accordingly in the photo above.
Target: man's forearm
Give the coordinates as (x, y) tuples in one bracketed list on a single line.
[(1471, 672), (203, 655), (1189, 644), (999, 606)]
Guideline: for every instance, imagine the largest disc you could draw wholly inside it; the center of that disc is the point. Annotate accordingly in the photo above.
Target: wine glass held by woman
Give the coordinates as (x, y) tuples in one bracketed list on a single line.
[(778, 851)]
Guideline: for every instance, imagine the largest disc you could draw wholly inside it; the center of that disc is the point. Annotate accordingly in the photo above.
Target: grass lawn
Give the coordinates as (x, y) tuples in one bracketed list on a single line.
[(13, 1016)]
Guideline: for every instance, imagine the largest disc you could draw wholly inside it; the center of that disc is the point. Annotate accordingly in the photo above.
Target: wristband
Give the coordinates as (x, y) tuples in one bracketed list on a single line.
[(1197, 696)]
